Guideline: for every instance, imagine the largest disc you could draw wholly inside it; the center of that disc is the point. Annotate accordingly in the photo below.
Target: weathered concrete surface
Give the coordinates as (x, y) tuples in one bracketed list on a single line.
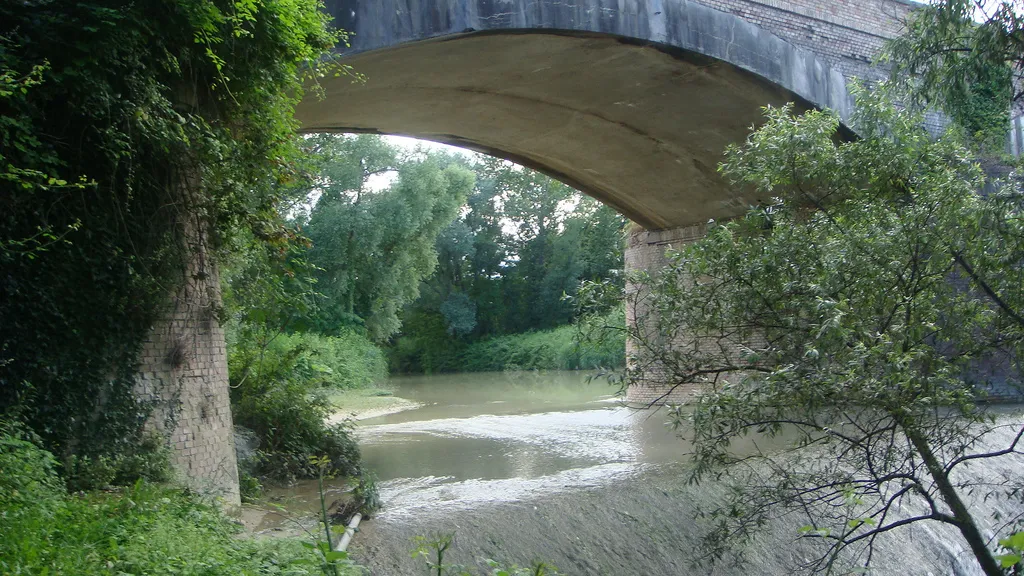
[(630, 101)]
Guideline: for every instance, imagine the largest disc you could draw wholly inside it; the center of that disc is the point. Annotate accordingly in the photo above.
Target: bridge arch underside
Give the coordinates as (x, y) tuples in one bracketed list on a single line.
[(638, 125)]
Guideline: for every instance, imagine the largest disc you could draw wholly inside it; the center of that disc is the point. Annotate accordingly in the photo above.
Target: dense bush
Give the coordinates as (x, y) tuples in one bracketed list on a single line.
[(145, 529), (557, 349), (346, 360), (426, 348), (149, 460), (278, 392), (547, 350)]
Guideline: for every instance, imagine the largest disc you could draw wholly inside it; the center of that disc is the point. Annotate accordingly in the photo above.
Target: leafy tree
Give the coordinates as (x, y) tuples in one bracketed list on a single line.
[(373, 247), (535, 208), (459, 314), (859, 323), (522, 245), (278, 374), (963, 56)]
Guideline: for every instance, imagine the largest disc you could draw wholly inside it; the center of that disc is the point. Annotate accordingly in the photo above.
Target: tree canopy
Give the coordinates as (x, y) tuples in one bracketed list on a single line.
[(963, 57), (510, 264), (372, 247)]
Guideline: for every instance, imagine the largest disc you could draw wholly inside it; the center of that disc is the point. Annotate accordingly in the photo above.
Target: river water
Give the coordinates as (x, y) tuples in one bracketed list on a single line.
[(502, 437), (526, 466)]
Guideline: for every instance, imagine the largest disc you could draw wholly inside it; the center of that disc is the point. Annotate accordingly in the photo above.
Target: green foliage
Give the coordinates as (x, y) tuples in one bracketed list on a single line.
[(556, 349), (426, 347), (348, 360), (1014, 543), (511, 264), (277, 392), (128, 130), (288, 414), (27, 474), (279, 378), (373, 247), (963, 56), (144, 529), (366, 495), (860, 320), (249, 487), (459, 313), (148, 460)]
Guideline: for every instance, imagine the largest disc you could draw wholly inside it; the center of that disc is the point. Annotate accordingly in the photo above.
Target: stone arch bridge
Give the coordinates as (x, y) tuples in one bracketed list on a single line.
[(630, 101)]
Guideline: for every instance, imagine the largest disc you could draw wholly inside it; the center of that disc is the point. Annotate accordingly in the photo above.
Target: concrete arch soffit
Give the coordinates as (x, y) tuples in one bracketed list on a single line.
[(635, 112)]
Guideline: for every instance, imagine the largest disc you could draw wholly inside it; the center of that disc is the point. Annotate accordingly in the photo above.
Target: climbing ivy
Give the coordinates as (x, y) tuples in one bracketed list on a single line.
[(125, 127), (962, 56)]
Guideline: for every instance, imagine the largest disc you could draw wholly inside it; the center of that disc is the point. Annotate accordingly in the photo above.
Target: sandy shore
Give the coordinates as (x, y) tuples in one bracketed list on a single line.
[(367, 403)]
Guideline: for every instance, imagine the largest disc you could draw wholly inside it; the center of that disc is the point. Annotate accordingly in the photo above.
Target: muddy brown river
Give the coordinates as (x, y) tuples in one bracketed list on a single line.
[(526, 466)]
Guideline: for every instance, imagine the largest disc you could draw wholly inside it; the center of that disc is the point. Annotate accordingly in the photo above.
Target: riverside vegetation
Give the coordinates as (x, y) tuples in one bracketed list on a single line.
[(375, 255), (120, 123), (142, 528)]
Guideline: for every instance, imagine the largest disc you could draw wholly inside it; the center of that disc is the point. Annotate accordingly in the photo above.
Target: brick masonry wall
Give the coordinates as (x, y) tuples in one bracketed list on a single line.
[(847, 33), (184, 374), (647, 251)]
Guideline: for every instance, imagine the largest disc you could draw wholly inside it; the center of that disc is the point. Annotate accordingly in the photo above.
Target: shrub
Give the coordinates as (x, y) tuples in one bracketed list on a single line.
[(249, 487), (144, 529), (27, 474), (428, 348), (347, 360), (290, 421), (277, 391), (556, 349), (148, 460)]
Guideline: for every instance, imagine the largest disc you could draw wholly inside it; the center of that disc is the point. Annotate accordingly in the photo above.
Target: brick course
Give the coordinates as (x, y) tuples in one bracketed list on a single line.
[(647, 251), (847, 33), (183, 373)]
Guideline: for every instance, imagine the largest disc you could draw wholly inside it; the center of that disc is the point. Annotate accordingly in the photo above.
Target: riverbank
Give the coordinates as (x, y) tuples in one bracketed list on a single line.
[(526, 466), (365, 403)]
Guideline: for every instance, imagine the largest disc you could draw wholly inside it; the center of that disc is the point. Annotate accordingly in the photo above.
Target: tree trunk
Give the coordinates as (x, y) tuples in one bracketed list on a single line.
[(964, 519)]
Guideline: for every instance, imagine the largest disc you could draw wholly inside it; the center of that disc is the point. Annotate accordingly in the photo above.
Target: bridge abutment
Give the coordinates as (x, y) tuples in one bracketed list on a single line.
[(647, 252), (183, 375)]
